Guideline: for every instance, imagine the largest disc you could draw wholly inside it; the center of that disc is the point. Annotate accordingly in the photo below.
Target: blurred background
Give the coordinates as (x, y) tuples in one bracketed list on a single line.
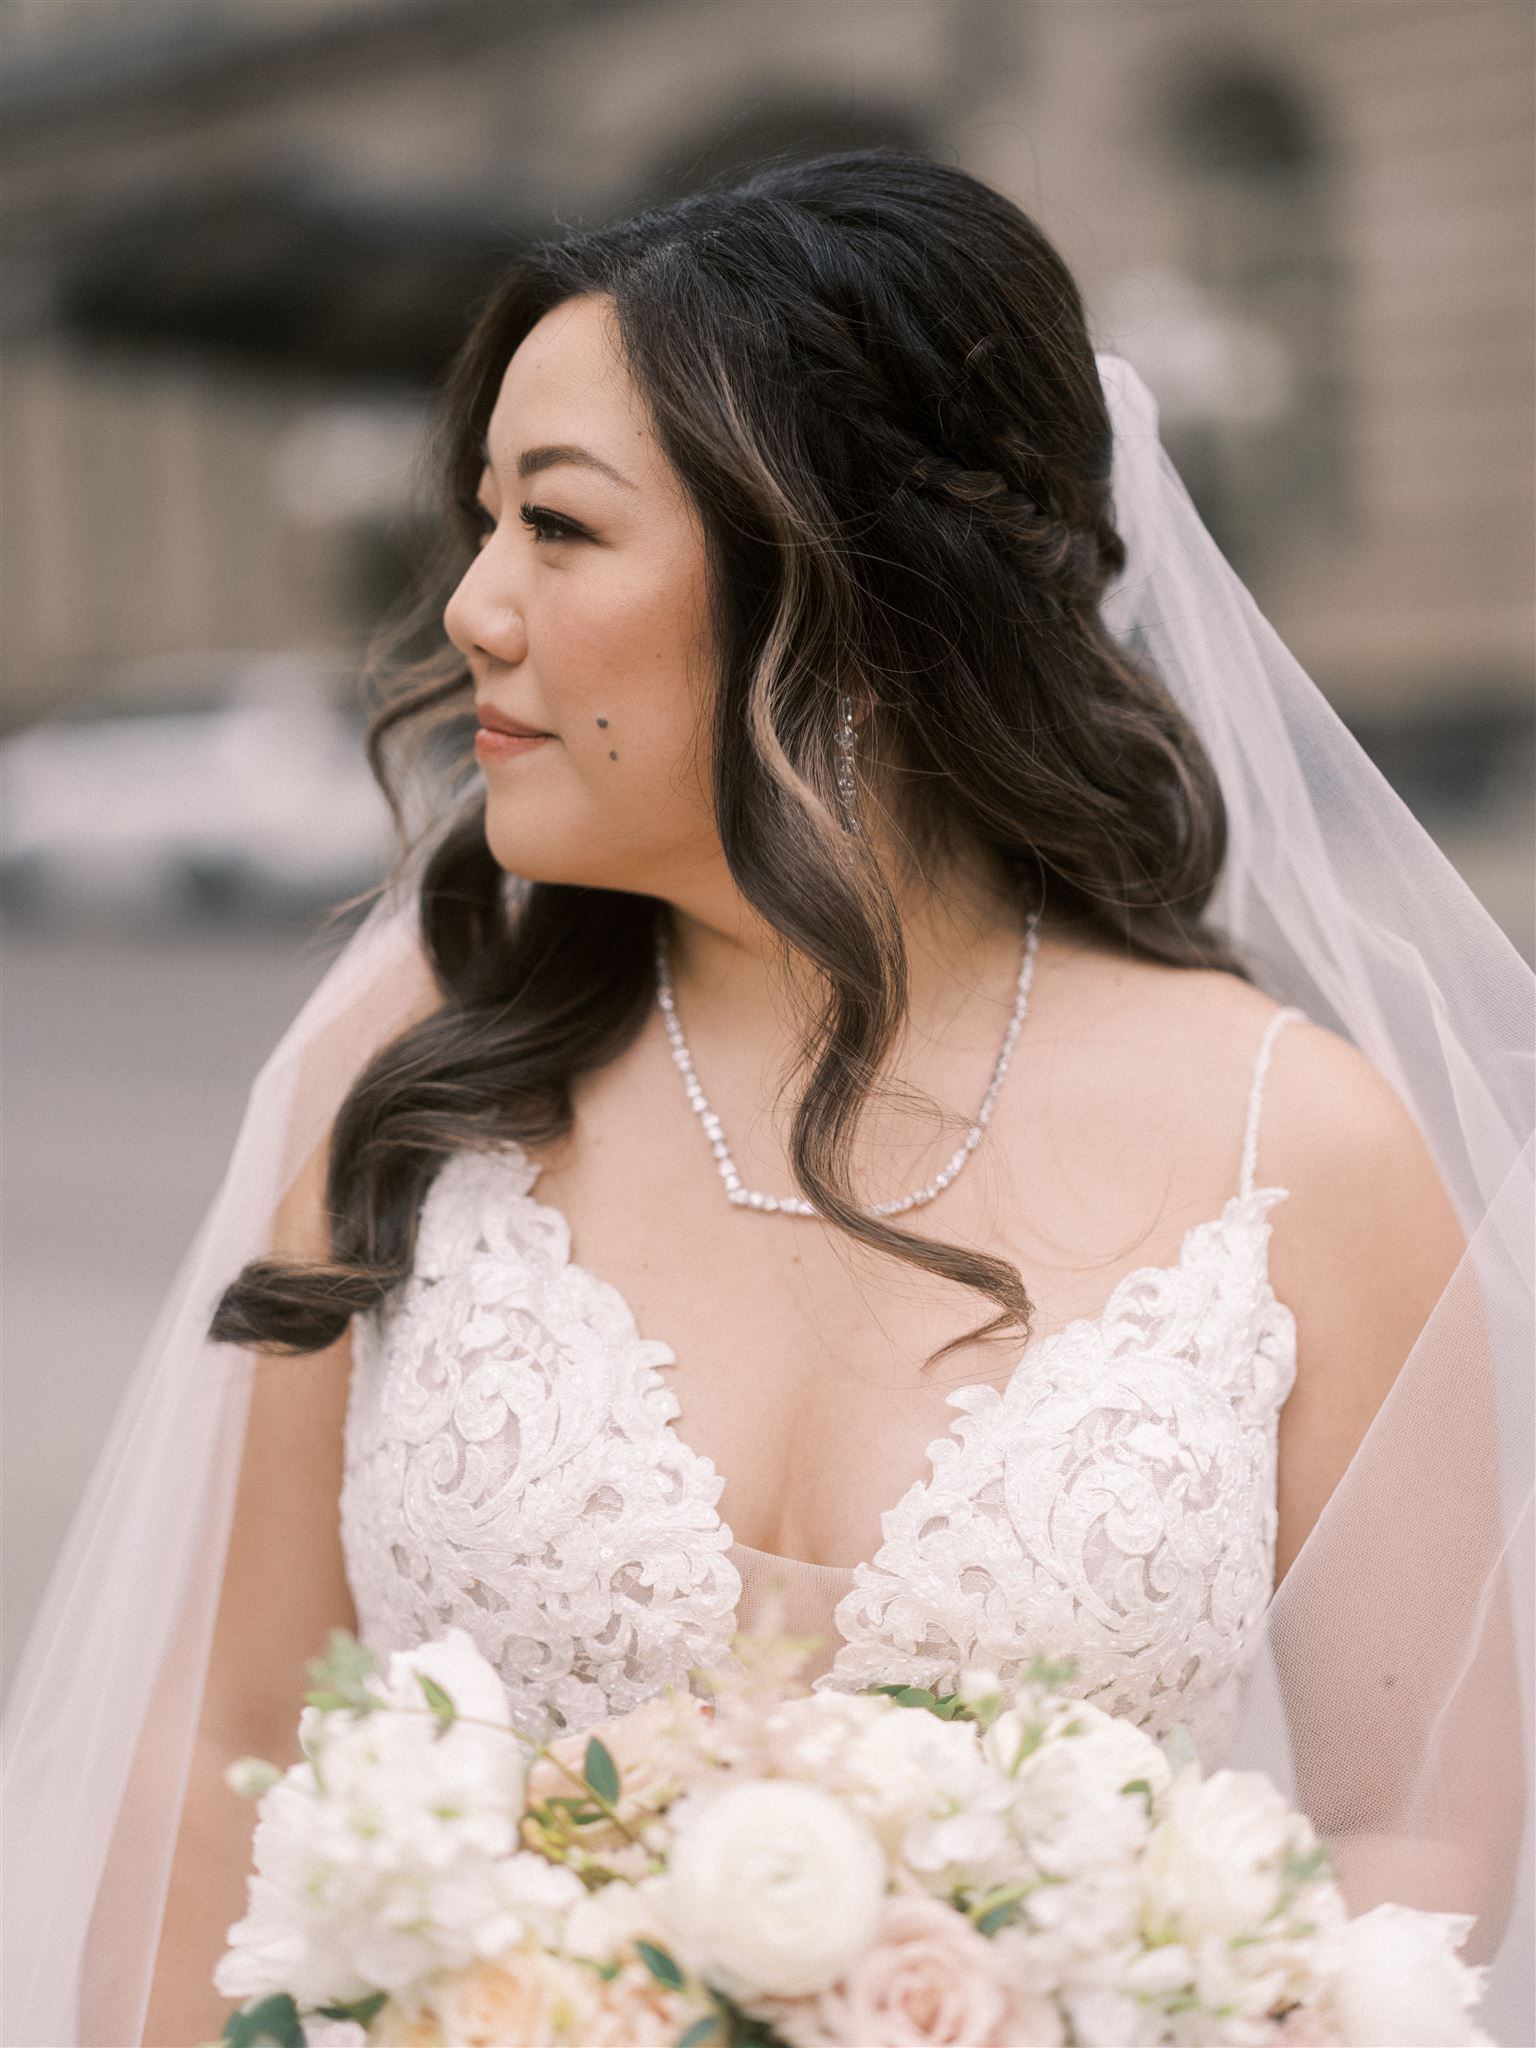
[(241, 239)]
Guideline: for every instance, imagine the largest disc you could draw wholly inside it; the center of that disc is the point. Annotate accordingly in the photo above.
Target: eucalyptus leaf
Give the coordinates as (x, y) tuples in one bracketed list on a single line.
[(601, 1772), (699, 2031), (660, 1964), (275, 2019), (362, 2010)]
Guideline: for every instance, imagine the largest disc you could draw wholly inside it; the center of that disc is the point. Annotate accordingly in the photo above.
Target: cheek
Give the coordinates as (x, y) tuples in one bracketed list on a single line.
[(624, 670)]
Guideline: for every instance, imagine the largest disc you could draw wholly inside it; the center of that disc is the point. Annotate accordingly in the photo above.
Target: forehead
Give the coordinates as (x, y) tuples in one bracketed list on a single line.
[(567, 381)]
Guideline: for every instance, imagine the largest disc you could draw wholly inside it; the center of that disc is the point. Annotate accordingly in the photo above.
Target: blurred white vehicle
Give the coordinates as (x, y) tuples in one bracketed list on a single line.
[(257, 799)]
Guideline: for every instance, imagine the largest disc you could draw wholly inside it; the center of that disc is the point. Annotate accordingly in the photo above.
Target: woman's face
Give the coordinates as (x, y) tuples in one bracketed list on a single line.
[(584, 615)]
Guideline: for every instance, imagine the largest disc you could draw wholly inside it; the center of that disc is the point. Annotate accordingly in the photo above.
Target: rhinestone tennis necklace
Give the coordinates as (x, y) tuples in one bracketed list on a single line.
[(796, 1205)]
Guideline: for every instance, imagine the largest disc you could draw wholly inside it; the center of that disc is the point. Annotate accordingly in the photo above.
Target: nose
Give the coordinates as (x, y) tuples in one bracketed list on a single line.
[(482, 619)]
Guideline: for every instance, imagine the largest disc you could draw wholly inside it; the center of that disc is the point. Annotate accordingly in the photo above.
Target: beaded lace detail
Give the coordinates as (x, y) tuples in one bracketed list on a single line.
[(512, 1468)]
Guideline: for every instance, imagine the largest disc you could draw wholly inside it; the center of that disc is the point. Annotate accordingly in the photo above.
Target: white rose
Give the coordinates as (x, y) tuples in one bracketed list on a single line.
[(1213, 1863), (774, 1886), (1400, 1980)]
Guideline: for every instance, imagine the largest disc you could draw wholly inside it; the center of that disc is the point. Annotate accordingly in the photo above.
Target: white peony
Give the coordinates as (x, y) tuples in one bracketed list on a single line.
[(1214, 1861), (1069, 1802), (1400, 1980), (812, 1736), (935, 1802), (775, 1887)]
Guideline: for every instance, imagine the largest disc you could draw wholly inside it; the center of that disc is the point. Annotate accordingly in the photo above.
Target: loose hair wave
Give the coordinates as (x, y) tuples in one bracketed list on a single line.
[(873, 376)]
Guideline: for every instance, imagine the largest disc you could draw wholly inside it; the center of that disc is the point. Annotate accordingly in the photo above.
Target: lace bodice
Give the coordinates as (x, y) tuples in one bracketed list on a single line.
[(512, 1468)]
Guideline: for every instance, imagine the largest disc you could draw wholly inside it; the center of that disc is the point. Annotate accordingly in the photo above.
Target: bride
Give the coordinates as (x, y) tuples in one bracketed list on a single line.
[(843, 930)]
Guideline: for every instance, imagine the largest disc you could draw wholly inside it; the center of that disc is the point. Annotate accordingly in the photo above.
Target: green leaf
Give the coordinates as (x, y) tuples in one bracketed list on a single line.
[(1310, 1865), (1055, 1675), (444, 1711), (339, 1675), (999, 1905), (362, 2009), (699, 2031), (601, 1773), (999, 1916), (914, 1696), (660, 1964), (274, 2019)]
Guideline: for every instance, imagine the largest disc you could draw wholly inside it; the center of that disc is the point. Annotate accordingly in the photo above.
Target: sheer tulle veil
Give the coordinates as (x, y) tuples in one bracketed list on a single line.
[(1389, 1691)]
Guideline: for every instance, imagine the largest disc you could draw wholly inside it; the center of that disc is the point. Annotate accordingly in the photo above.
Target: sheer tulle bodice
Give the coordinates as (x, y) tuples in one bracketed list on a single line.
[(512, 1468)]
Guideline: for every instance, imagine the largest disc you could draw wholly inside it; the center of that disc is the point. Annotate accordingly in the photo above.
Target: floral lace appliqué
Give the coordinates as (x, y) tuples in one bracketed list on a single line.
[(512, 1468)]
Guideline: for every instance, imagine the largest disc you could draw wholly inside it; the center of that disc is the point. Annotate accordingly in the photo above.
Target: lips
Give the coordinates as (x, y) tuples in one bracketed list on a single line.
[(500, 721)]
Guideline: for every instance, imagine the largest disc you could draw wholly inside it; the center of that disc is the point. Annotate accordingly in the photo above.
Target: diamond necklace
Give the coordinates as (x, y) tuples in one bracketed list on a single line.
[(796, 1205)]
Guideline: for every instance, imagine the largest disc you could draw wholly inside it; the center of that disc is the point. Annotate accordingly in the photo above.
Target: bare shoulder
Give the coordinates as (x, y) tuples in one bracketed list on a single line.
[(1360, 1251), (1361, 1176), (1334, 1132)]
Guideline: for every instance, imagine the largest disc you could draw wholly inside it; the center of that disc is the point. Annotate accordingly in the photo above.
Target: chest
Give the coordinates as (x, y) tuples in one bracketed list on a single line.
[(799, 1354)]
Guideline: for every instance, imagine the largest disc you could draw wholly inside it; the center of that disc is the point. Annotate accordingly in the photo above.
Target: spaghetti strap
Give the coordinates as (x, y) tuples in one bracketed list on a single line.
[(1285, 1015)]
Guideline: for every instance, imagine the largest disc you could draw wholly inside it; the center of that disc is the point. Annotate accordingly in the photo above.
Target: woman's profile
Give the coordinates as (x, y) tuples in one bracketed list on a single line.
[(862, 1101)]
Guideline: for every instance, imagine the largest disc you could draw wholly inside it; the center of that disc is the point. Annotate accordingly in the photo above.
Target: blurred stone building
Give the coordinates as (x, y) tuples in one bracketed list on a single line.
[(241, 238)]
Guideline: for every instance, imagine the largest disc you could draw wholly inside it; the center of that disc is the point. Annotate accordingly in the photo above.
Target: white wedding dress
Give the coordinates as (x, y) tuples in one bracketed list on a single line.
[(512, 1468)]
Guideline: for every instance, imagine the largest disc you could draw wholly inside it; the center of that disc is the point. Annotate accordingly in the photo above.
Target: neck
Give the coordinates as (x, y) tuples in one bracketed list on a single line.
[(964, 941)]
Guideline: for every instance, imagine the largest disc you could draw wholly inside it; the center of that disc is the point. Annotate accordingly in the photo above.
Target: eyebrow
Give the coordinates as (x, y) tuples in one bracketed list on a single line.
[(532, 460)]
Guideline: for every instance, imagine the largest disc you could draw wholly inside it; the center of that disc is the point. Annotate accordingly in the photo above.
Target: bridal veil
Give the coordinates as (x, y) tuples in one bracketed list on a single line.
[(1390, 1691)]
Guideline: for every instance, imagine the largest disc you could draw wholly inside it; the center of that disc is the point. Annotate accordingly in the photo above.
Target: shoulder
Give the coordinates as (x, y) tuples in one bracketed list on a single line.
[(1361, 1175), (1335, 1133), (1360, 1252)]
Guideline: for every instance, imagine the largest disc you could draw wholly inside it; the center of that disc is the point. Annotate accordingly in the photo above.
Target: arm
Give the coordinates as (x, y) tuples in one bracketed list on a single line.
[(284, 1588), (1401, 1691)]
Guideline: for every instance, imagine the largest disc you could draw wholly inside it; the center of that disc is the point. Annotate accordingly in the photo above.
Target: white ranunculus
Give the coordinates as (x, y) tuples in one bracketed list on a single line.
[(1213, 1863), (774, 1887), (1400, 1980)]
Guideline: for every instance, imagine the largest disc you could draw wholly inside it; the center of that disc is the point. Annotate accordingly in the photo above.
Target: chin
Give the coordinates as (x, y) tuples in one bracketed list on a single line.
[(550, 857)]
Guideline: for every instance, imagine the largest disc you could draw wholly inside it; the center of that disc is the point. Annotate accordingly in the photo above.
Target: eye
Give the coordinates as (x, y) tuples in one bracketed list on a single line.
[(549, 525)]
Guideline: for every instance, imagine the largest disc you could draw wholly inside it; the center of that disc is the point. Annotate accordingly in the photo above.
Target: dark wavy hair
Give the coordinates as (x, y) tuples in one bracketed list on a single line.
[(873, 375)]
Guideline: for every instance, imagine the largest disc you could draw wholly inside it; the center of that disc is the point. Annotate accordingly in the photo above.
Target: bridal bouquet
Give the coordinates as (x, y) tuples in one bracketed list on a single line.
[(767, 1865)]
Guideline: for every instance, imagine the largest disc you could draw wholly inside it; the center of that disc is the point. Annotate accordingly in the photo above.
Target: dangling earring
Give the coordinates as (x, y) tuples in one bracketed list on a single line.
[(845, 780)]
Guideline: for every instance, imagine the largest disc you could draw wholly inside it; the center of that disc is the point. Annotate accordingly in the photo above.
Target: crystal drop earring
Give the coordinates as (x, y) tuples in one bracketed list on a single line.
[(845, 778)]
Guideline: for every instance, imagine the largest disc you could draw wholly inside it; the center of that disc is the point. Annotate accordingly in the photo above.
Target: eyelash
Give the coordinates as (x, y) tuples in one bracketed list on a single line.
[(545, 525)]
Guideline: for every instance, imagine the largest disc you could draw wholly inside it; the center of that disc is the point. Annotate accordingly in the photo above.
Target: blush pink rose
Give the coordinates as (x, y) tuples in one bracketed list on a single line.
[(928, 1978)]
